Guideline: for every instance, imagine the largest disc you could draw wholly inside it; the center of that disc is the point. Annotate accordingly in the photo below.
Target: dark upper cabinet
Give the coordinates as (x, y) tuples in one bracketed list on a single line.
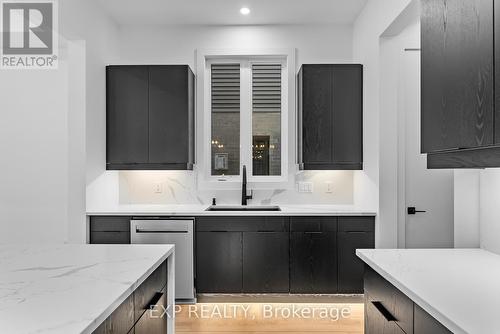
[(150, 117), (127, 114), (459, 124), (313, 241), (219, 262), (171, 115), (265, 262), (330, 116)]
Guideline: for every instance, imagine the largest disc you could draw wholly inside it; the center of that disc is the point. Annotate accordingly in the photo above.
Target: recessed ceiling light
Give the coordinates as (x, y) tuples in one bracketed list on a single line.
[(245, 11)]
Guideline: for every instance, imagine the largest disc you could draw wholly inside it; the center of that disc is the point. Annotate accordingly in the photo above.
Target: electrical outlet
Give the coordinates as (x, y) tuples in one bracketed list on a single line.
[(329, 187), (305, 187), (158, 188)]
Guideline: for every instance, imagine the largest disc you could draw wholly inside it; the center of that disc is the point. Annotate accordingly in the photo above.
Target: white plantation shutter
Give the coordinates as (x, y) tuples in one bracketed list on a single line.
[(266, 88), (225, 88)]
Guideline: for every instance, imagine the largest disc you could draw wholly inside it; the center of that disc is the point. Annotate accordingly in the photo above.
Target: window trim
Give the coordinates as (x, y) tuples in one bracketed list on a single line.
[(288, 118)]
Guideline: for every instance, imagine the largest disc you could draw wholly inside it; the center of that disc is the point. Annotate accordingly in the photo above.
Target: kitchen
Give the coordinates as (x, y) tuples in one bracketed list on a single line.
[(336, 157)]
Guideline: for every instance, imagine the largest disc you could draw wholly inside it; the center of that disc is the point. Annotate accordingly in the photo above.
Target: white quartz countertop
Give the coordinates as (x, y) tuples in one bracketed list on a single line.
[(70, 289), (199, 210), (458, 287)]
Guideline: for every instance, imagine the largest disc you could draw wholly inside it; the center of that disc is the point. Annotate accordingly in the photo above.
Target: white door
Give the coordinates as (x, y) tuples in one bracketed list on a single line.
[(425, 190)]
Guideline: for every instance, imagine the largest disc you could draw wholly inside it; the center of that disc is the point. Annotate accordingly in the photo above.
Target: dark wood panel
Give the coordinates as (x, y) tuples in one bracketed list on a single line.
[(348, 113), (350, 267), (473, 158), (242, 224), (426, 324), (496, 114), (127, 114), (313, 224), (266, 262), (317, 114), (219, 262), (168, 114), (377, 289), (154, 284), (110, 238), (457, 74), (153, 321), (313, 264), (376, 323), (122, 319), (109, 224), (357, 224), (330, 117)]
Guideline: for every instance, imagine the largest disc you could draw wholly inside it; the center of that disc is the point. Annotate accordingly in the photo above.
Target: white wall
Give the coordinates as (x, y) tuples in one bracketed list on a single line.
[(177, 44), (466, 208), (477, 199), (375, 18), (43, 132)]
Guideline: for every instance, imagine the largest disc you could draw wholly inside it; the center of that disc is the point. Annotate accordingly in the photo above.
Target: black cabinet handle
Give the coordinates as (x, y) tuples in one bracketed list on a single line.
[(154, 301), (381, 308), (313, 232)]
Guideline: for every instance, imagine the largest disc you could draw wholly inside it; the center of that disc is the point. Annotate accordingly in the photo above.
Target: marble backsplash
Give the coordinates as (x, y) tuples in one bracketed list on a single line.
[(171, 187)]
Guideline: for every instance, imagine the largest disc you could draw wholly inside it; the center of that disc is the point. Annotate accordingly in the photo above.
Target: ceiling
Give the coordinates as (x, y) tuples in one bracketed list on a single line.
[(226, 12)]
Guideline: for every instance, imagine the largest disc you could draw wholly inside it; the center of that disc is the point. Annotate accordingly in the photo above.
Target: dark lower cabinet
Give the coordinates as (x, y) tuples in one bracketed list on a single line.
[(219, 262), (354, 233), (313, 269), (265, 262), (377, 323), (389, 311), (313, 255), (109, 230), (350, 266), (154, 320), (426, 324), (143, 311)]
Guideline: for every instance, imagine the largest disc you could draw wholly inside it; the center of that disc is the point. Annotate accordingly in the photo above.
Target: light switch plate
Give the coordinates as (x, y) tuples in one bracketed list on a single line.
[(305, 187)]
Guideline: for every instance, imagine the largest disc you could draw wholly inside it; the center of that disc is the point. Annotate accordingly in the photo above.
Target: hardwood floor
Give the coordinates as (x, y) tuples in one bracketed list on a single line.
[(272, 316)]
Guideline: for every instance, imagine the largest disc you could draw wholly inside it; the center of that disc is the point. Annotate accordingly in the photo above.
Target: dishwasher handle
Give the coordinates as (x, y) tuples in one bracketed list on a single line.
[(157, 230)]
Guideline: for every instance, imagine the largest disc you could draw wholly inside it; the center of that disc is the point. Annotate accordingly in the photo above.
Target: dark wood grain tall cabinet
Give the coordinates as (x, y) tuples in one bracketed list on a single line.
[(150, 117), (330, 117), (460, 77)]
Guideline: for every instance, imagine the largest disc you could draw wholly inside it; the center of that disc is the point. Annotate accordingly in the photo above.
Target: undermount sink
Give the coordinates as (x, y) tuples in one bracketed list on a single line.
[(243, 208)]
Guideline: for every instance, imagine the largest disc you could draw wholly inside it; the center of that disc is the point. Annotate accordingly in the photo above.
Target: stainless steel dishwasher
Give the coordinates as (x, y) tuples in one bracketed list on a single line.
[(176, 231)]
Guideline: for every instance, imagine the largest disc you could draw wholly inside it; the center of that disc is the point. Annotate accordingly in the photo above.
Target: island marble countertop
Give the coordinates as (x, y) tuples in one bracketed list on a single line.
[(200, 210), (70, 289), (458, 287)]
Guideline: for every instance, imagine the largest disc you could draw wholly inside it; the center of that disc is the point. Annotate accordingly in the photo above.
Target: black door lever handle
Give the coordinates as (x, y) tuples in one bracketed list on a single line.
[(412, 210)]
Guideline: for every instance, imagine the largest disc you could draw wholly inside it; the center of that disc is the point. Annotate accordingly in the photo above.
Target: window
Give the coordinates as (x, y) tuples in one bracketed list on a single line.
[(246, 118)]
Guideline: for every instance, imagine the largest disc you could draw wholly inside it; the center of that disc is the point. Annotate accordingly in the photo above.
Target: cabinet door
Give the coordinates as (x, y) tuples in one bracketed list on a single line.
[(168, 115), (457, 74), (266, 262), (127, 114), (376, 323), (313, 264), (109, 230), (218, 262), (154, 321), (351, 268), (347, 114), (317, 113), (425, 324)]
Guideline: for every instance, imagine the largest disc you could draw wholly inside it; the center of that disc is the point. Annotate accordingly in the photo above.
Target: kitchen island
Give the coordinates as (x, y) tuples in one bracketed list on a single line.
[(74, 289), (431, 291)]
